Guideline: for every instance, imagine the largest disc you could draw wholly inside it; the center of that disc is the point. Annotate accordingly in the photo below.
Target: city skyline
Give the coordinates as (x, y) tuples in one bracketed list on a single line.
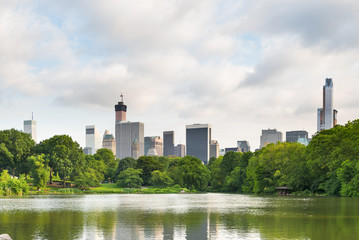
[(242, 67)]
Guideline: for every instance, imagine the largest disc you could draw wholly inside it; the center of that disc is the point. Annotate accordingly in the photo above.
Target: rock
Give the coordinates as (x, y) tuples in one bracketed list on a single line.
[(5, 237)]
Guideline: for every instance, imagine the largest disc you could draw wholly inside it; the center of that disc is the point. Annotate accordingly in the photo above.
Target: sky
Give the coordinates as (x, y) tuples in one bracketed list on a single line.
[(241, 66)]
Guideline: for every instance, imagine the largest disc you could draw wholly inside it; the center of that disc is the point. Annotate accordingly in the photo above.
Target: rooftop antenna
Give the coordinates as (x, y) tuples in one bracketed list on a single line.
[(121, 97)]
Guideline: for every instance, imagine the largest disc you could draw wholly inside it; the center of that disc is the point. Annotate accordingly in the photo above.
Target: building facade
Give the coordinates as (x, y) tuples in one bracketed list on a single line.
[(129, 136), (30, 127), (270, 136), (327, 116), (293, 136), (243, 146), (168, 143), (180, 150), (198, 139), (214, 149), (109, 142), (234, 149), (154, 142), (93, 140)]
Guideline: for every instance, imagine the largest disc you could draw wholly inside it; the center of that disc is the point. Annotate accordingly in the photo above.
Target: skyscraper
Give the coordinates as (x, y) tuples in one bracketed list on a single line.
[(168, 143), (93, 141), (180, 150), (243, 146), (154, 142), (270, 136), (109, 142), (214, 149), (30, 127), (129, 136), (198, 139), (327, 116), (293, 136)]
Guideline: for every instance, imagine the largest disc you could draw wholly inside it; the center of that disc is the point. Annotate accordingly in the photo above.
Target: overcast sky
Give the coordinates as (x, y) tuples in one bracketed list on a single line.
[(242, 66)]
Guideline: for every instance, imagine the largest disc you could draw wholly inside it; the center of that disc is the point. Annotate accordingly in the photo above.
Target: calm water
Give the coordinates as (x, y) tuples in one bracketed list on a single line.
[(179, 216)]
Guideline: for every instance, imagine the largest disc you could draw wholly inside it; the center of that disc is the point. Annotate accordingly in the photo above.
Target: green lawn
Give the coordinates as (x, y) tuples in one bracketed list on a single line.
[(112, 188)]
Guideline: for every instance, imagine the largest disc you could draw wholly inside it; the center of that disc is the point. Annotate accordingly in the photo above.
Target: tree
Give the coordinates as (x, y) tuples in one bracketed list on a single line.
[(19, 144), (130, 178), (62, 155), (39, 172), (148, 164), (160, 179), (191, 173), (125, 163), (87, 179), (109, 159)]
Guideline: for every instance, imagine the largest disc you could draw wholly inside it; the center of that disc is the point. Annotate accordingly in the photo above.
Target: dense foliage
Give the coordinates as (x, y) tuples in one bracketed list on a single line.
[(329, 165)]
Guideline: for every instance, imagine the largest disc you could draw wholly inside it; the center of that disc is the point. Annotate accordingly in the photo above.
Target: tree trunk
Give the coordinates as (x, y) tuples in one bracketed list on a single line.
[(50, 175)]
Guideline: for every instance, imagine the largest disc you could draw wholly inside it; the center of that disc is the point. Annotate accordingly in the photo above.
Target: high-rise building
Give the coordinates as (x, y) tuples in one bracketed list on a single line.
[(243, 146), (232, 149), (93, 140), (129, 136), (293, 136), (198, 139), (109, 142), (168, 143), (327, 116), (214, 149), (270, 136), (30, 127), (180, 150), (154, 142)]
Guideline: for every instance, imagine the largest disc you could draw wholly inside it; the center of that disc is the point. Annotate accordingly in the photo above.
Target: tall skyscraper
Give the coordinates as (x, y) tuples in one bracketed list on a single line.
[(180, 150), (270, 136), (168, 143), (129, 136), (198, 139), (214, 149), (154, 142), (293, 136), (243, 146), (30, 127), (327, 116), (93, 140), (109, 142)]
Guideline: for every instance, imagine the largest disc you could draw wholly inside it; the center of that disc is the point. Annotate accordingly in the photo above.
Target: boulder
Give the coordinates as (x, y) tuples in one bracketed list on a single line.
[(5, 237)]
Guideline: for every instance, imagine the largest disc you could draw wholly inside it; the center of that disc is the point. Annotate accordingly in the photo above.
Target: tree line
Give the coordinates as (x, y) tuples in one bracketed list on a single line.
[(328, 165)]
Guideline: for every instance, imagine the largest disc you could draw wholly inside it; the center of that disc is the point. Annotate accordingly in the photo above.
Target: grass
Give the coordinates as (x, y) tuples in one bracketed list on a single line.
[(112, 188)]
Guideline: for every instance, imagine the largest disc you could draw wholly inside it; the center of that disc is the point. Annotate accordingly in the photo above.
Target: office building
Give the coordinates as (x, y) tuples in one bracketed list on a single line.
[(270, 136), (30, 127), (232, 149), (327, 116), (198, 139), (129, 136), (214, 149), (180, 150), (154, 142), (243, 146), (109, 142), (93, 140), (293, 136), (168, 143)]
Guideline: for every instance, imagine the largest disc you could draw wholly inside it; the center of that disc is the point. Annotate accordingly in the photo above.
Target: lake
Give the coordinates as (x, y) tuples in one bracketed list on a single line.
[(179, 216)]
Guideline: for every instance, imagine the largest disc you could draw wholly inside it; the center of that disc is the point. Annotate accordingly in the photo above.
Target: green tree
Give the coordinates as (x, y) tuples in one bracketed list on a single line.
[(39, 172), (62, 155), (109, 159), (148, 164), (19, 144), (125, 163), (191, 173), (160, 179), (130, 178)]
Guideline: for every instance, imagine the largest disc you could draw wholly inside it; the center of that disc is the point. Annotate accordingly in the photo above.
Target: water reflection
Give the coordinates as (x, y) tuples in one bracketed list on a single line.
[(177, 216)]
